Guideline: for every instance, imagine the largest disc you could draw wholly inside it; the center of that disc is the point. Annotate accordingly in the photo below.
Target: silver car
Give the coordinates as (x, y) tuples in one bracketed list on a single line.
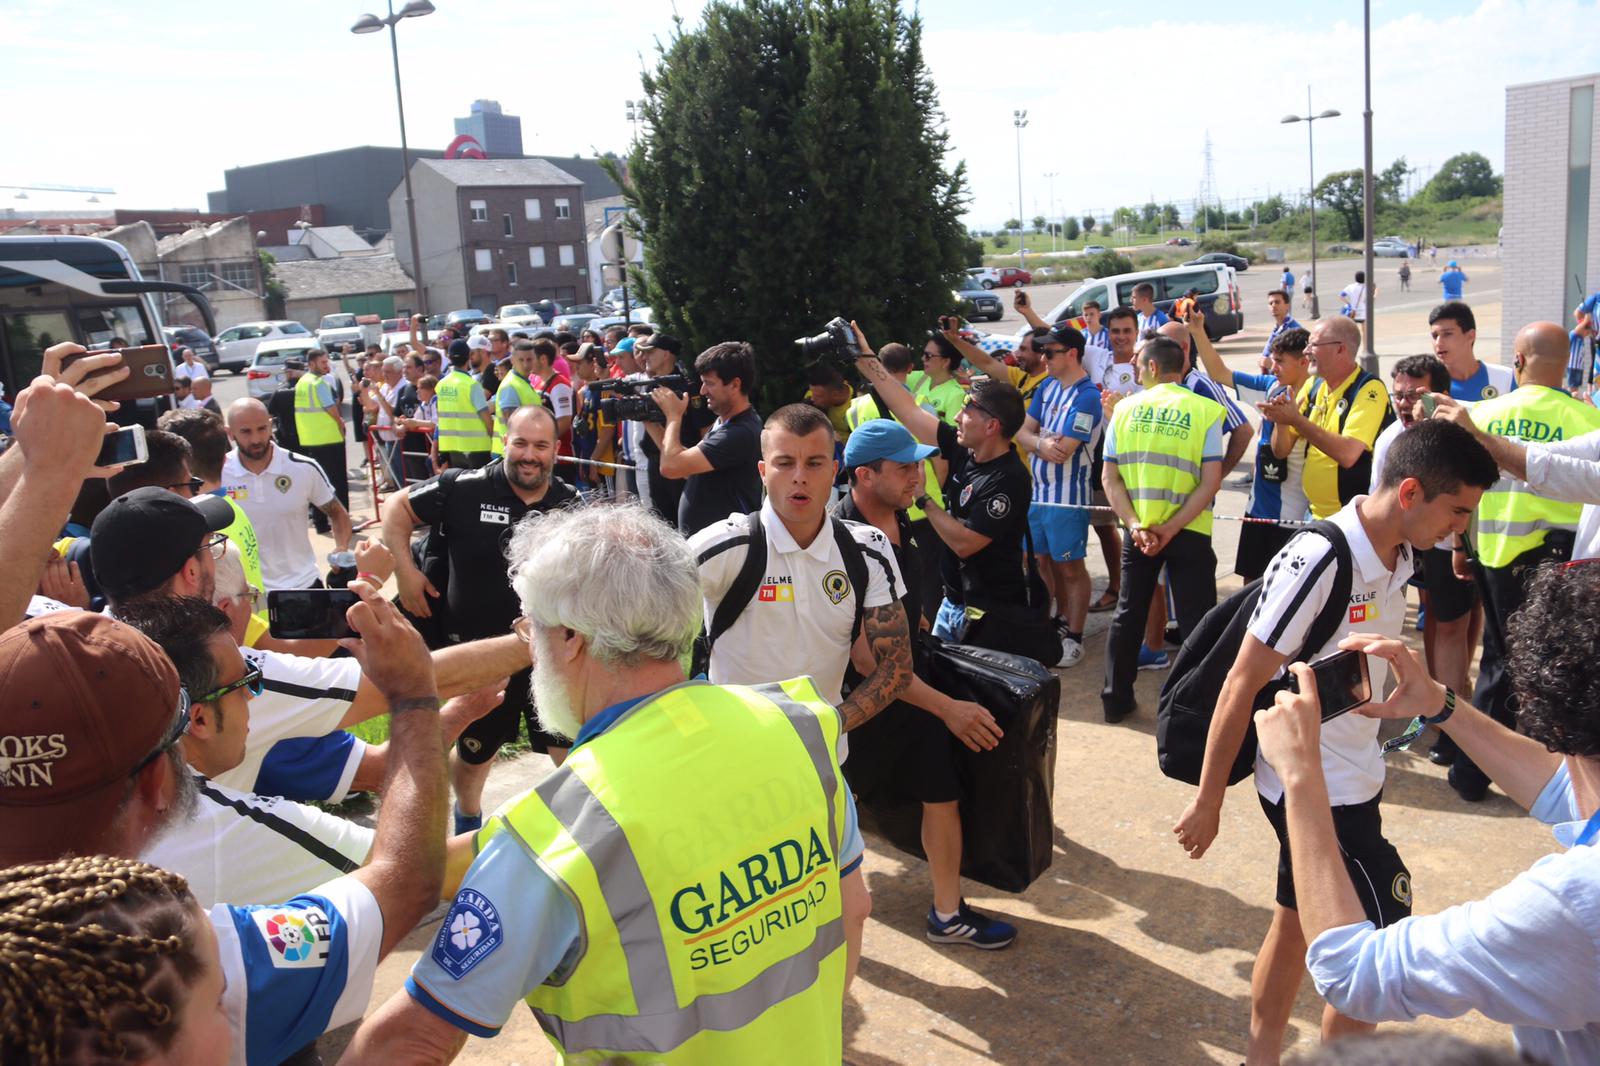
[(236, 345), (265, 374)]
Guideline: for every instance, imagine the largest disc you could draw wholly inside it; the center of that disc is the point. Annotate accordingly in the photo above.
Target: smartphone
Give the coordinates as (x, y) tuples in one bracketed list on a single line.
[(1428, 404), (309, 614), (149, 373), (1021, 299), (123, 448), (1343, 682)]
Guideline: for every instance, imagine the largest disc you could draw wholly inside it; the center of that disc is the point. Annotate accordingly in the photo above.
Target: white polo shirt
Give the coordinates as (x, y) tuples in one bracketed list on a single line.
[(800, 618), (1297, 584), (240, 848), (194, 372), (276, 501), (300, 697)]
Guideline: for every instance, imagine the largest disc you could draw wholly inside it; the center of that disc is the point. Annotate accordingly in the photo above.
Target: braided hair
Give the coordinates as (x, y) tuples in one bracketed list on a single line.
[(96, 956)]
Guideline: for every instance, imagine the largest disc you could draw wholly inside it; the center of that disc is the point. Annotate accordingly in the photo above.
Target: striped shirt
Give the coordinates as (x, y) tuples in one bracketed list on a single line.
[(1099, 337), (1287, 324), (1277, 489), (1154, 320), (1071, 411), (1202, 385), (1577, 353)]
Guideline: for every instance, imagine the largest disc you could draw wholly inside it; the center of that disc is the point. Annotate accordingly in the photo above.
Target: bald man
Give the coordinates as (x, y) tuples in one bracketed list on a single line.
[(1518, 527), (275, 486)]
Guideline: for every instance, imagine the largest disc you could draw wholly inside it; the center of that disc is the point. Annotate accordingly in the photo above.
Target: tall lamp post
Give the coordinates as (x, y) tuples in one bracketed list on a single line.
[(1054, 220), (372, 24), (1311, 157), (1369, 358), (1019, 119)]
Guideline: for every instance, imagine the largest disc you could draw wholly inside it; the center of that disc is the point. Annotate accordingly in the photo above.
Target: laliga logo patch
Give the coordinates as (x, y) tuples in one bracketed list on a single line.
[(470, 933), (296, 939), (836, 585), (998, 507), (281, 483), (1402, 888)]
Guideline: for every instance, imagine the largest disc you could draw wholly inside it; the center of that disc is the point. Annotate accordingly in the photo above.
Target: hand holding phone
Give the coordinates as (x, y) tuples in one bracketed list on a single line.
[(1343, 682), (309, 614), (1019, 298), (125, 447), (1429, 404), (149, 373)]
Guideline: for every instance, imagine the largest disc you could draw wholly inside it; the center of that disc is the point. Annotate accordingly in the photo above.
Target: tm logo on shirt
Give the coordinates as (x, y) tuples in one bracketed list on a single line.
[(1366, 612), (470, 933), (297, 938)]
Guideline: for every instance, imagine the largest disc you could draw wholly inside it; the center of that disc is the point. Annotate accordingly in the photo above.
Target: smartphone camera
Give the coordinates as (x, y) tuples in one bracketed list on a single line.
[(309, 614), (1343, 682)]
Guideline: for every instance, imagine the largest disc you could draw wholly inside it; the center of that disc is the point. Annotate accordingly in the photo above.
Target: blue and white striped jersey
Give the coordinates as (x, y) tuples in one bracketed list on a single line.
[(1071, 411)]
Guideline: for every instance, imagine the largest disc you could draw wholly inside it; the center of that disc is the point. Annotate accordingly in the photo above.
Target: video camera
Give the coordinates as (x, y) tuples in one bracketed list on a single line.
[(836, 341), (631, 400)]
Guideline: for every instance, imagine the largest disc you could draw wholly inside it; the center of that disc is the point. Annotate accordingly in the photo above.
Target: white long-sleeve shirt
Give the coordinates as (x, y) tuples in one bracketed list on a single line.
[(1570, 471)]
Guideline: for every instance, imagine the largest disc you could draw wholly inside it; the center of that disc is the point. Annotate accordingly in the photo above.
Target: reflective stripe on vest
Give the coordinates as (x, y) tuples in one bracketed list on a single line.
[(460, 425), (1160, 437), (647, 981), (312, 423), (1512, 517), (525, 397)]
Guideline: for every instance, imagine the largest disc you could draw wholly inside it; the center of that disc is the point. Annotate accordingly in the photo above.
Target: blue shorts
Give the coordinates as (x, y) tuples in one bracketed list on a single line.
[(951, 622), (1059, 533)]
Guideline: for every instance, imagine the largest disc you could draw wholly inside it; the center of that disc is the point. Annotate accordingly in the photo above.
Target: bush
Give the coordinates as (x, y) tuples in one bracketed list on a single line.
[(1107, 263)]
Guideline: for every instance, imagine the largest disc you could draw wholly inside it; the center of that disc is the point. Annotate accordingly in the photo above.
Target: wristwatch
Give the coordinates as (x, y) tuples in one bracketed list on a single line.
[(923, 501), (1447, 711)]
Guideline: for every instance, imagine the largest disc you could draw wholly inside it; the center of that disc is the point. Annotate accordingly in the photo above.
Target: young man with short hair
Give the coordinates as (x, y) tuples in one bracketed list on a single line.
[(1454, 329), (1116, 376), (465, 437), (1431, 484), (516, 390), (721, 471), (1144, 303), (1094, 331), (1278, 306)]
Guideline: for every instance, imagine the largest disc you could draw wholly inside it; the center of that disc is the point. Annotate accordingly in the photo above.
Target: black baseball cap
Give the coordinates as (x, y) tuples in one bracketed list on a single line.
[(144, 537), (665, 341), (294, 364)]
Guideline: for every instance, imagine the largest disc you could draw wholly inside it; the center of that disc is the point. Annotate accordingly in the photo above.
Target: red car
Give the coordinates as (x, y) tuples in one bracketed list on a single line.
[(1015, 277)]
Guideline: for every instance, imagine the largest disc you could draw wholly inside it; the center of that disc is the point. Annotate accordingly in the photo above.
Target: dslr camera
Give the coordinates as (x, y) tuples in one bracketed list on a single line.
[(837, 341), (629, 401)]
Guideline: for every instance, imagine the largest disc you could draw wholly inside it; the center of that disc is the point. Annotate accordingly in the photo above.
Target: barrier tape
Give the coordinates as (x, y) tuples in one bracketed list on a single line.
[(595, 462), (1287, 522)]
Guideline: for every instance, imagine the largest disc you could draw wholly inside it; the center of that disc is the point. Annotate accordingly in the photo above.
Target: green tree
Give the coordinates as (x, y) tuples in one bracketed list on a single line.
[(1013, 223), (764, 192), (1105, 229), (1342, 193), (273, 290), (1088, 223), (1038, 223), (1466, 174), (1389, 184), (1169, 216), (973, 251), (1070, 230), (1000, 241)]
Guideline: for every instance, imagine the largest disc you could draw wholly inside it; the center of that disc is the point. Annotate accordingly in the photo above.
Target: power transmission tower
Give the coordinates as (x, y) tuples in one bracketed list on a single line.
[(1208, 184)]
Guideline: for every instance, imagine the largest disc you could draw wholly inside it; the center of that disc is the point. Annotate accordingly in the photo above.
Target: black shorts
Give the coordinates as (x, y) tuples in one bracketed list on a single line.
[(1257, 545), (903, 752), (501, 726), (1448, 597), (1383, 884)]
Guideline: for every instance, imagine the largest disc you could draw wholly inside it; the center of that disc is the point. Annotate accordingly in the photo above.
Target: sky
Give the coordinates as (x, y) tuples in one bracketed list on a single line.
[(157, 100)]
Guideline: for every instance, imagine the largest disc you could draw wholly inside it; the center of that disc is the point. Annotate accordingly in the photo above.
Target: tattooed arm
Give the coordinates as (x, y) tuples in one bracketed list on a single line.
[(889, 640)]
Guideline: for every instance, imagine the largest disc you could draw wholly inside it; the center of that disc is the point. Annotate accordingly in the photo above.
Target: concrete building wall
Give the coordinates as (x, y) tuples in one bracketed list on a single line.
[(443, 288), (1537, 208)]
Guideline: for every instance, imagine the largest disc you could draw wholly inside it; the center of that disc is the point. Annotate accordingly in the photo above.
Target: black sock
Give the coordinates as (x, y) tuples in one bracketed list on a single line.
[(1074, 636)]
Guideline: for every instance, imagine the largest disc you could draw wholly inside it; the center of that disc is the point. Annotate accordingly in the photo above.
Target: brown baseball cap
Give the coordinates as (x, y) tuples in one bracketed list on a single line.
[(87, 698)]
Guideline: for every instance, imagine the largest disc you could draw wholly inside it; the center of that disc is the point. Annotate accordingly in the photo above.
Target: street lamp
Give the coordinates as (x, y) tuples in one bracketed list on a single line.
[(373, 24), (1019, 119), (1369, 358), (1309, 119), (634, 113), (1054, 222)]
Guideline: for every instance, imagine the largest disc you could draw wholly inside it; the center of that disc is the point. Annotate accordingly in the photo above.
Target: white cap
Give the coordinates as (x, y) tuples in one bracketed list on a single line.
[(480, 343)]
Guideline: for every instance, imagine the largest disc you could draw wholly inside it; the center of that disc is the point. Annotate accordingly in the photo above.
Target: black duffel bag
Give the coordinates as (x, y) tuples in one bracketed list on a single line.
[(1007, 824)]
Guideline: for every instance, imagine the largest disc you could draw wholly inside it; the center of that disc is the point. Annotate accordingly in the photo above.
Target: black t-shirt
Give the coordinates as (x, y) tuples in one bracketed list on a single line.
[(992, 499), (473, 512), (733, 486), (908, 554), (280, 405)]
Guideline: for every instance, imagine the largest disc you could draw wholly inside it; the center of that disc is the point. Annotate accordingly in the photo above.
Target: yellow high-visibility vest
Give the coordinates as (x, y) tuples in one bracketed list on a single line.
[(1160, 437)]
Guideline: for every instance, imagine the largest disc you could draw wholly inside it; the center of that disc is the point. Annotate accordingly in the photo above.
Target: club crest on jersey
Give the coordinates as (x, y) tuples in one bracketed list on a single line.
[(1490, 392), (966, 495), (282, 483), (296, 938), (469, 934), (998, 506), (836, 585)]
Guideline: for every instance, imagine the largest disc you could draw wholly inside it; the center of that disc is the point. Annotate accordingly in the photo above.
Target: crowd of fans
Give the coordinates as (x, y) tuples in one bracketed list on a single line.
[(174, 893)]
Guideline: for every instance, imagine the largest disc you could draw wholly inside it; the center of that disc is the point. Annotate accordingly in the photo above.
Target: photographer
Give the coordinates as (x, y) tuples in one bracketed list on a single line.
[(719, 472), (657, 357)]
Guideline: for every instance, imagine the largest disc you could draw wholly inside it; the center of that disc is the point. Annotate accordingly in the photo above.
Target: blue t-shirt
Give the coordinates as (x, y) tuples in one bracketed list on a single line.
[(1072, 411), (511, 928), (1452, 280), (1287, 282), (295, 970), (311, 769), (1486, 383)]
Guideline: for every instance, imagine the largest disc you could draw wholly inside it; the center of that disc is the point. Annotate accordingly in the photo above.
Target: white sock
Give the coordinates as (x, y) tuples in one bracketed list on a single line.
[(943, 917)]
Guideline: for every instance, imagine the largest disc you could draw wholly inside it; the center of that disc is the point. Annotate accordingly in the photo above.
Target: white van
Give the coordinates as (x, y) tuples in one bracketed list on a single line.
[(1217, 289)]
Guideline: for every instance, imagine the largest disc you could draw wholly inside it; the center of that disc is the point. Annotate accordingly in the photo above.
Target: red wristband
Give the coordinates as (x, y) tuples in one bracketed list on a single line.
[(369, 578)]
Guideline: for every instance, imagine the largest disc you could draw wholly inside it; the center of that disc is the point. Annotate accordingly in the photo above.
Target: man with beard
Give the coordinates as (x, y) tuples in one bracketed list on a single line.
[(679, 869), (473, 512), (274, 486)]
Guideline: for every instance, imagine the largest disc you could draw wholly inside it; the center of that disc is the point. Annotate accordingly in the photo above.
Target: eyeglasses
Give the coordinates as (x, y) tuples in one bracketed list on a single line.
[(981, 409), (1409, 395), (523, 628), (216, 544), (1324, 344), (252, 680), (180, 726), (189, 488)]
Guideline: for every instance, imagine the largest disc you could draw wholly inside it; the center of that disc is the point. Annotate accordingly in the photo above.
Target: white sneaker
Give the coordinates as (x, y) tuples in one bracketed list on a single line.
[(1071, 653)]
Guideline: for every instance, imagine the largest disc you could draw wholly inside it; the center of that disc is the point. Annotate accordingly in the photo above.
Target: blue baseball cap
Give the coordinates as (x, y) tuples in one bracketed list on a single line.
[(882, 438), (1451, 263), (624, 345)]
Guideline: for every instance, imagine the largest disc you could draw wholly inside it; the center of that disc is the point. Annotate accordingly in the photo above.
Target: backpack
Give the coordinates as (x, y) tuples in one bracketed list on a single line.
[(1194, 684), (748, 581)]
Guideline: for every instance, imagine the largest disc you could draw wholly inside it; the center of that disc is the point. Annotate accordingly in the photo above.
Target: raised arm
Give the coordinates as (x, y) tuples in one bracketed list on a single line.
[(924, 425)]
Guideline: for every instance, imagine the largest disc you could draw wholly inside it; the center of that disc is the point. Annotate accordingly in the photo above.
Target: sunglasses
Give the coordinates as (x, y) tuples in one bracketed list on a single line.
[(180, 726), (190, 487), (252, 680)]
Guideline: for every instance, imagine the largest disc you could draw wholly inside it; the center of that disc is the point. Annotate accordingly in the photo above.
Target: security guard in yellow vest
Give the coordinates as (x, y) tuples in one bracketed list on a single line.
[(465, 423), (320, 427), (1518, 529), (515, 391), (678, 891), (1163, 466)]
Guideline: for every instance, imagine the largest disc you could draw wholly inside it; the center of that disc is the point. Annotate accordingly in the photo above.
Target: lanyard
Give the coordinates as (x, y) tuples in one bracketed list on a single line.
[(1590, 829)]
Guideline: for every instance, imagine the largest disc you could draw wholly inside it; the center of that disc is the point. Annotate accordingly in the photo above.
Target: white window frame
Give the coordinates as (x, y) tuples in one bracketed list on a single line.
[(531, 209), (506, 226), (563, 208), (568, 256), (536, 257), (478, 210), (483, 259), (511, 273)]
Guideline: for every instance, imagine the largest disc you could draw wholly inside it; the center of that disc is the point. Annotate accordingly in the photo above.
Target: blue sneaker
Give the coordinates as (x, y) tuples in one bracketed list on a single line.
[(1422, 616), (1152, 660), (971, 927), (467, 823)]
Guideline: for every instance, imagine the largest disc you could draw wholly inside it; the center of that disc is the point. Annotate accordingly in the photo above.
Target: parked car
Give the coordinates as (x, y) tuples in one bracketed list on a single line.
[(1014, 277), (265, 373), (1238, 262), (613, 298), (1343, 249), (1215, 282), (335, 331), (1391, 249), (574, 322), (1094, 249), (983, 277), (1179, 242), (516, 315), (396, 325), (236, 345), (465, 319), (635, 314), (974, 303), (180, 337), (585, 309)]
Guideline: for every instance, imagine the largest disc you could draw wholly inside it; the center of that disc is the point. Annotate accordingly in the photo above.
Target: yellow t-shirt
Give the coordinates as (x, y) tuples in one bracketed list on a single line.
[(1364, 410)]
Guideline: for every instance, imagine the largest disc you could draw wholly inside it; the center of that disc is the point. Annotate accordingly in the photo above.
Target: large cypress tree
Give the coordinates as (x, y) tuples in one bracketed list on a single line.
[(794, 170)]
